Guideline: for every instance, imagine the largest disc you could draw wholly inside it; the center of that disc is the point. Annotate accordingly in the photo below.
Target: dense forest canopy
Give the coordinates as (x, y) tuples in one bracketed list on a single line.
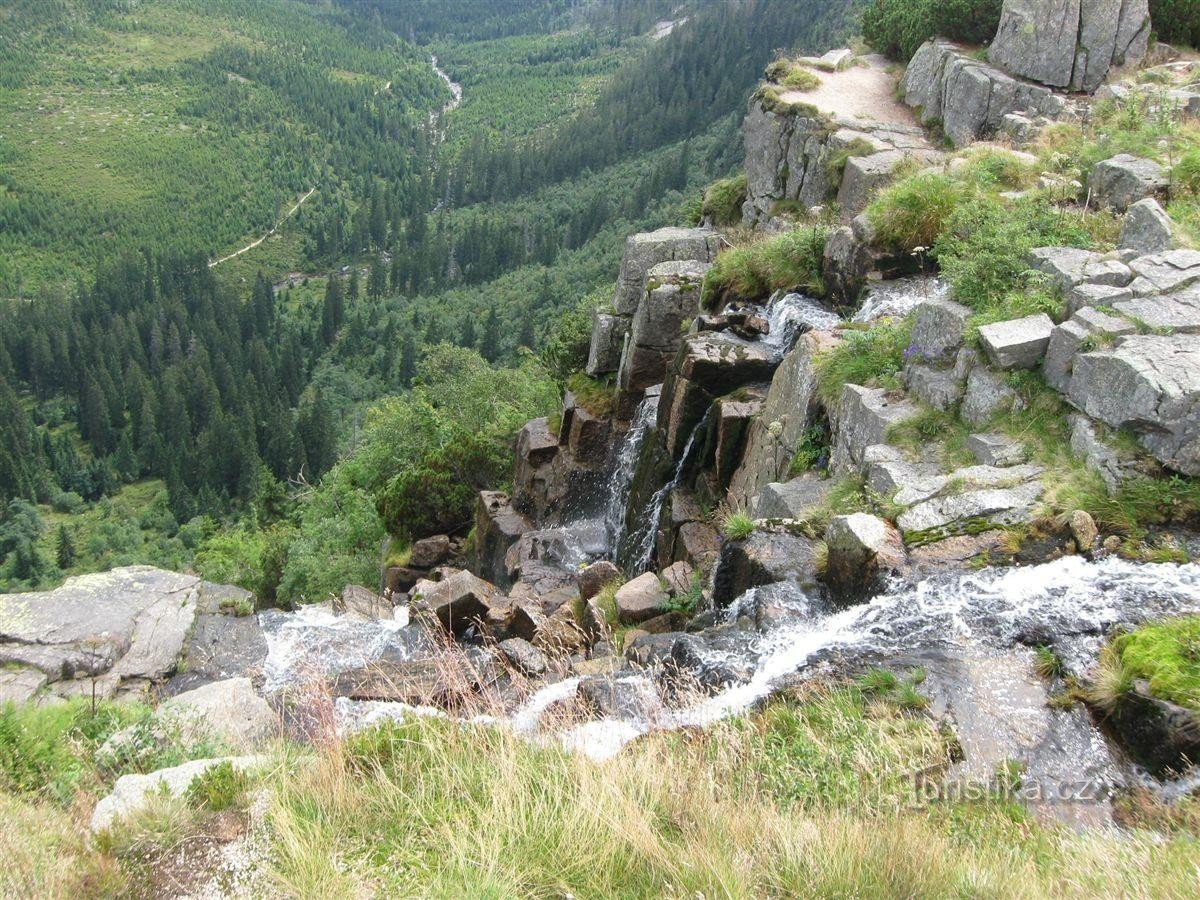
[(156, 408)]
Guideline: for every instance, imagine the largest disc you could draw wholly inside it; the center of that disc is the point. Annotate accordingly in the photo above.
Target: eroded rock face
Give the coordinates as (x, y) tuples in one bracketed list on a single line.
[(459, 601), (864, 552), (125, 628), (497, 527), (864, 417), (671, 300), (969, 97), (1070, 43), (1149, 384), (646, 250), (767, 556), (1147, 228)]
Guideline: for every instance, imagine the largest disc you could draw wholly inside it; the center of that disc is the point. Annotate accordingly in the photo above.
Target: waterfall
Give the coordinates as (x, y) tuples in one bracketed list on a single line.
[(791, 314), (900, 297), (623, 470), (648, 525)]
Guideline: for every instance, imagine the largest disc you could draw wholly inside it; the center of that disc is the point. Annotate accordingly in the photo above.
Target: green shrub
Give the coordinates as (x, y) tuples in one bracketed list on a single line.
[(869, 357), (784, 261), (565, 350), (983, 245), (596, 395), (219, 787), (723, 200), (896, 28), (801, 79), (1176, 21), (913, 212), (1187, 172), (737, 526)]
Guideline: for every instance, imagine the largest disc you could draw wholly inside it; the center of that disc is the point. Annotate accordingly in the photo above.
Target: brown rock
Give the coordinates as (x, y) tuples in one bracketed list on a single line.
[(640, 599), (593, 578), (429, 552), (1084, 530)]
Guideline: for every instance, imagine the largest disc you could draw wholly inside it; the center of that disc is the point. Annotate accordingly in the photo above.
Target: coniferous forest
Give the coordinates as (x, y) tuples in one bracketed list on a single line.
[(156, 408)]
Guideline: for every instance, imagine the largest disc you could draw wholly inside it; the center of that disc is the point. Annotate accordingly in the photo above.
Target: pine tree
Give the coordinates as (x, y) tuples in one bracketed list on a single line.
[(489, 344), (526, 338), (314, 426), (377, 279), (352, 287), (469, 336), (333, 310), (65, 548)]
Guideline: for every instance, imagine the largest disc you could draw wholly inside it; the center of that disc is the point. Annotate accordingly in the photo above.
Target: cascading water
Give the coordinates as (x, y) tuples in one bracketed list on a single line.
[(900, 297), (643, 538), (790, 314), (623, 470), (1071, 600)]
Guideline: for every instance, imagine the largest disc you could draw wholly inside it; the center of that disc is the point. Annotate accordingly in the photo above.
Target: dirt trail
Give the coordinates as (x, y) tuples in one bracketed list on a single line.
[(250, 246), (859, 92)]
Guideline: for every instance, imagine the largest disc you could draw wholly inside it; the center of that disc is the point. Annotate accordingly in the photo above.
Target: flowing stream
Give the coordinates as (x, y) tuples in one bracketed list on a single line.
[(623, 470), (1071, 601)]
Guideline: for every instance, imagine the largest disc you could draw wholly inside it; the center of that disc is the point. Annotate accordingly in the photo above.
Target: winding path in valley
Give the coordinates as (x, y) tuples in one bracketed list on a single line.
[(456, 98), (250, 246)]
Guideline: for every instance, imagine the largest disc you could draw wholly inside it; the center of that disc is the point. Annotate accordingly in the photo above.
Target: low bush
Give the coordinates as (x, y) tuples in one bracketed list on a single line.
[(871, 357), (913, 212), (896, 28), (723, 200), (791, 260), (737, 526)]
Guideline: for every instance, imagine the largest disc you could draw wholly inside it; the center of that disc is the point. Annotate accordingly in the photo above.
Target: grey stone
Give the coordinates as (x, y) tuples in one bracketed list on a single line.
[(846, 264), (954, 513), (629, 699), (1151, 385), (361, 604), (1109, 272), (795, 499), (1084, 295), (498, 525), (969, 97), (677, 577), (127, 626), (986, 395), (1086, 443), (222, 644), (903, 482), (996, 450), (940, 388), (864, 417), (643, 251), (1017, 343), (1174, 313), (1124, 179), (864, 176), (229, 710), (769, 555), (1070, 43), (1147, 228), (1065, 265), (524, 657), (430, 551), (938, 326), (593, 578), (640, 599), (864, 553), (20, 685), (1067, 339), (132, 792), (671, 301), (1164, 272), (458, 602), (608, 340)]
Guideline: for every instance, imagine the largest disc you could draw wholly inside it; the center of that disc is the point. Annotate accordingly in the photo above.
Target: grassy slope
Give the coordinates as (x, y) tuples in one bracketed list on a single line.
[(811, 797)]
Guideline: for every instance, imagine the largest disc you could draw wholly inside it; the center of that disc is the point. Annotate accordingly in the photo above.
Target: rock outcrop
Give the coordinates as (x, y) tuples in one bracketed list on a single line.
[(1070, 43), (111, 632), (970, 98)]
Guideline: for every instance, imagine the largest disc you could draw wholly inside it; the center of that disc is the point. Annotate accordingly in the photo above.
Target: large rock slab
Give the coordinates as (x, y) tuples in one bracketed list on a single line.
[(640, 599), (222, 644), (790, 409), (126, 627), (1161, 273), (671, 301), (795, 499), (864, 553), (967, 96), (938, 327), (131, 793), (1070, 43), (1017, 343), (1149, 384), (1122, 181), (497, 527), (767, 556), (608, 340), (960, 513), (864, 417), (1147, 228), (228, 710), (458, 602), (648, 249)]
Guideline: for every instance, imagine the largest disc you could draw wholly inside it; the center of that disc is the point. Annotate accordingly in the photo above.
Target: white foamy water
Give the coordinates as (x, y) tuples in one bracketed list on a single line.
[(1069, 599), (899, 297)]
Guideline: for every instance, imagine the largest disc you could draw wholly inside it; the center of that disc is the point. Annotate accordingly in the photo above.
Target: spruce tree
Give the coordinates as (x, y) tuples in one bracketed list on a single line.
[(65, 548), (489, 344)]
